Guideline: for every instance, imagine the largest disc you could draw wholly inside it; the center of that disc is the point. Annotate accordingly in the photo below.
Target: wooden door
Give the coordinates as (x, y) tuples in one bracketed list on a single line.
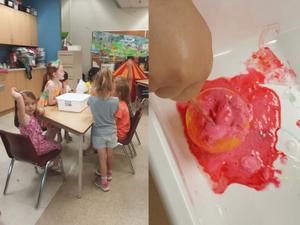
[(20, 79), (5, 25), (6, 101), (21, 28), (39, 77), (33, 30), (35, 84)]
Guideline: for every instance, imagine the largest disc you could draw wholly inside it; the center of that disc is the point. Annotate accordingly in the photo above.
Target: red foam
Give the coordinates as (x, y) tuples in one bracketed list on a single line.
[(250, 163)]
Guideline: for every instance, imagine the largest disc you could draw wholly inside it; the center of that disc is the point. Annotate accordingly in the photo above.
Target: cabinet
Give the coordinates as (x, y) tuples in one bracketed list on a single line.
[(35, 84), (18, 79), (17, 28), (72, 63), (5, 24), (6, 101)]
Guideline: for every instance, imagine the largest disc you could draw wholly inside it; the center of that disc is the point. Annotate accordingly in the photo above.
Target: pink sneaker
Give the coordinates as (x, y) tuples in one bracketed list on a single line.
[(109, 174), (102, 184)]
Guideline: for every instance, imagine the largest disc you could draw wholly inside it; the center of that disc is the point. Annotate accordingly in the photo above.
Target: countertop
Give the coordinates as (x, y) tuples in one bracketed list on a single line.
[(3, 71), (1, 87), (34, 68)]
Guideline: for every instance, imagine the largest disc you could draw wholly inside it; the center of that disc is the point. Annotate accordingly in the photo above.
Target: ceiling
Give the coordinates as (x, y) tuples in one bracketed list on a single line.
[(132, 3)]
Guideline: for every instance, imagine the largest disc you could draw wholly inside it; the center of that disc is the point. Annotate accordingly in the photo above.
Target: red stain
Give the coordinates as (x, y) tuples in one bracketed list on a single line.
[(239, 146), (266, 62), (298, 123)]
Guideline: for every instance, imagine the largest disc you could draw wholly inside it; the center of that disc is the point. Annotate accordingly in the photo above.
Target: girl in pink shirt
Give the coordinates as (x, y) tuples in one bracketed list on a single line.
[(26, 112)]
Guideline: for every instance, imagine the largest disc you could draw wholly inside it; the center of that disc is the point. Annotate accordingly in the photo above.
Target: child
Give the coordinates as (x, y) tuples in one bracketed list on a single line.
[(66, 89), (104, 138), (86, 87), (25, 118), (122, 91), (52, 87)]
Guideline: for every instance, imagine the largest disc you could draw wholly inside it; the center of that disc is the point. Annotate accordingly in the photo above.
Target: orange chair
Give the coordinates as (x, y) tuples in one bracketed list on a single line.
[(19, 147)]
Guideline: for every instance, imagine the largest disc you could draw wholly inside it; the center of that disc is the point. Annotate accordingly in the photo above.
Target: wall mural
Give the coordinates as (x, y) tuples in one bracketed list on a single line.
[(111, 47)]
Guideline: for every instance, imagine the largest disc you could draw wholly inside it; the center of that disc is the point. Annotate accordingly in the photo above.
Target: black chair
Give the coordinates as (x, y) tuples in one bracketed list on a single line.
[(128, 140), (141, 105), (19, 147), (142, 94)]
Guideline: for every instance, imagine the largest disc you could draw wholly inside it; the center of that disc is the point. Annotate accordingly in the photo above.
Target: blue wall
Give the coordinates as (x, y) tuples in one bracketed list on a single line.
[(49, 25)]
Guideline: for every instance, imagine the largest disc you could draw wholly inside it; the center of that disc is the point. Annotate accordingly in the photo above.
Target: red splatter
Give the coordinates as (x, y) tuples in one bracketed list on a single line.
[(266, 62), (246, 118), (298, 123)]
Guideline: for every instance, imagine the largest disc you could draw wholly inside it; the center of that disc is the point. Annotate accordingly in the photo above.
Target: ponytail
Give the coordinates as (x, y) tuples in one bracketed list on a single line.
[(103, 84)]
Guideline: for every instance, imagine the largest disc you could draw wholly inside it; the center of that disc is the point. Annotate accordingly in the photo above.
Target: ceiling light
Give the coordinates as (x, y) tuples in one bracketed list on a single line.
[(222, 53), (272, 42)]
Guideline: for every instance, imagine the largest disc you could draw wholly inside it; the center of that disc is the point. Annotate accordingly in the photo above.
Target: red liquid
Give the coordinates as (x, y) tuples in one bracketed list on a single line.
[(266, 62), (298, 123), (246, 119)]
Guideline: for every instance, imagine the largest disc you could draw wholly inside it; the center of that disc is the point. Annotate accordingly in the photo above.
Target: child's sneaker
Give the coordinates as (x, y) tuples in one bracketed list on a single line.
[(67, 137), (102, 184), (109, 174), (54, 169), (59, 137)]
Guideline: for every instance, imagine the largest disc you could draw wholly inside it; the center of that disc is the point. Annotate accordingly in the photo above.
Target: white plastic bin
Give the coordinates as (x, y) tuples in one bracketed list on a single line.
[(72, 102)]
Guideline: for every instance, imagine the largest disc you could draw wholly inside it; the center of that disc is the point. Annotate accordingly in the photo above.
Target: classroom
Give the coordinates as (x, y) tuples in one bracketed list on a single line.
[(71, 44)]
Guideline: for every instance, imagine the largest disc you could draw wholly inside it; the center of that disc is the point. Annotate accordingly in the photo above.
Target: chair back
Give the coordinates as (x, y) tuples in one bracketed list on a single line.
[(133, 125), (19, 147)]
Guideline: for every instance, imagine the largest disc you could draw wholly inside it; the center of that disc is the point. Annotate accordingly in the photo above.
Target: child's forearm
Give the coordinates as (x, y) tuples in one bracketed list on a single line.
[(18, 98), (52, 102), (179, 71), (20, 102), (40, 111), (20, 105)]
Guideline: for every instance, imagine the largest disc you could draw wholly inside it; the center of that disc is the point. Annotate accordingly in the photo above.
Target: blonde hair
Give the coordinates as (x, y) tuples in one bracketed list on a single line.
[(122, 89), (103, 85), (50, 69)]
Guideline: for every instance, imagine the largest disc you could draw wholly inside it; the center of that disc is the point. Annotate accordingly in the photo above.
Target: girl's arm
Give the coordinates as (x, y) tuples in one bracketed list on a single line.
[(20, 105), (64, 87), (179, 71), (118, 114), (51, 94), (40, 111)]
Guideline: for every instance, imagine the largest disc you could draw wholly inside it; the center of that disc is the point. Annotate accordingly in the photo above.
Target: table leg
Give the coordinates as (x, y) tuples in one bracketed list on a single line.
[(80, 152)]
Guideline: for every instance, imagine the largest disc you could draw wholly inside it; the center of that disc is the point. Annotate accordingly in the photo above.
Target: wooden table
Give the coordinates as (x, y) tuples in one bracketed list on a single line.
[(144, 83), (76, 123), (1, 87)]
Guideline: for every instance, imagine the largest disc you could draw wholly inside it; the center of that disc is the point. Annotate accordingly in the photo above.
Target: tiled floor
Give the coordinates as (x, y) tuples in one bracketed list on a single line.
[(126, 203)]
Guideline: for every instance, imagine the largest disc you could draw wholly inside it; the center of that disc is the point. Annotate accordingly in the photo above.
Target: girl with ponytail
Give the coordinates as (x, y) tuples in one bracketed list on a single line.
[(104, 133)]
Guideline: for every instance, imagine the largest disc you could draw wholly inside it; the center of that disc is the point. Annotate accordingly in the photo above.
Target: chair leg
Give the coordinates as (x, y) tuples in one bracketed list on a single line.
[(43, 180), (8, 175), (137, 137), (36, 170), (128, 159), (62, 168), (132, 145), (130, 151)]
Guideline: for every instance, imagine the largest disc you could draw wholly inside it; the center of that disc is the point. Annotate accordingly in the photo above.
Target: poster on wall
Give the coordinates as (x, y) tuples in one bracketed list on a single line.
[(109, 47)]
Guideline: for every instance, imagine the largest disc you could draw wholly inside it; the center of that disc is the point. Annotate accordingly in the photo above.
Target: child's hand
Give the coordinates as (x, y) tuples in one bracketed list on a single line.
[(14, 93), (40, 111)]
